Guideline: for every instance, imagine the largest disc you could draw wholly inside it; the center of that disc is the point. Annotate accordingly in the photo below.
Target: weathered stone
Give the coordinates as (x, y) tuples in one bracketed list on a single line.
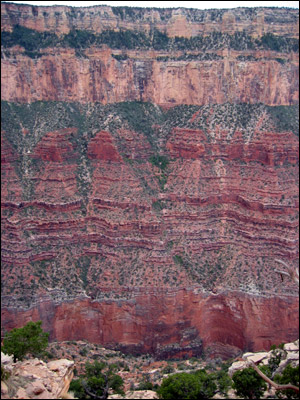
[(256, 358), (292, 346), (4, 388), (6, 359), (138, 394), (39, 381), (35, 388), (22, 394)]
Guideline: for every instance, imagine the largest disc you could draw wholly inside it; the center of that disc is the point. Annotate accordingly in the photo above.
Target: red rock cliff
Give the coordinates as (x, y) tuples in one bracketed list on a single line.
[(151, 225), (61, 76), (176, 22)]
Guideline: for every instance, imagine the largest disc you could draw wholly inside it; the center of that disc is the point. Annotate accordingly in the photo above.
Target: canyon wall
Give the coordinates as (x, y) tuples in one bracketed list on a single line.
[(98, 77), (147, 190), (169, 323), (175, 22)]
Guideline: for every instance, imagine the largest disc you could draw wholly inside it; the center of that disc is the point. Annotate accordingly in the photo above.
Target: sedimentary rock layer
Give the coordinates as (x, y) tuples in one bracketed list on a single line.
[(60, 75), (176, 22), (93, 217), (170, 323), (148, 188)]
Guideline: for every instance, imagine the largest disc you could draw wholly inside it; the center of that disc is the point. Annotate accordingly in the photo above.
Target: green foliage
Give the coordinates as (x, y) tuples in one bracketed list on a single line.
[(158, 205), (168, 369), (285, 118), (187, 386), (248, 384), (120, 57), (140, 117), (124, 39), (159, 161), (266, 370), (28, 339), (145, 385), (160, 40), (279, 43), (223, 382), (289, 375), (78, 39), (275, 359), (77, 388), (178, 259), (99, 377), (30, 39), (4, 374)]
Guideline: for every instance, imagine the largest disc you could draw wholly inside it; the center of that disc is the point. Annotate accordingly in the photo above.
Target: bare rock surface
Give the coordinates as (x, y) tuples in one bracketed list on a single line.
[(35, 379), (290, 355)]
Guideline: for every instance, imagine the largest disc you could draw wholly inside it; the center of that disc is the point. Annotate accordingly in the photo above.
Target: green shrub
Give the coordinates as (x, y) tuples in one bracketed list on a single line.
[(29, 339), (168, 369), (187, 386), (4, 374), (289, 375), (33, 40), (120, 57), (248, 384), (97, 380), (30, 39), (159, 161), (145, 385)]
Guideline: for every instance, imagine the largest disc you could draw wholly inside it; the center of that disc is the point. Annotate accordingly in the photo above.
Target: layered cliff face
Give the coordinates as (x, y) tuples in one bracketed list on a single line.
[(99, 77), (175, 22), (150, 224)]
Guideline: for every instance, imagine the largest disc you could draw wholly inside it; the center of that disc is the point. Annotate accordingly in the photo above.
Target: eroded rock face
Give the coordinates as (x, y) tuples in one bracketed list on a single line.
[(176, 22), (98, 226), (60, 75), (34, 379), (151, 227), (170, 323)]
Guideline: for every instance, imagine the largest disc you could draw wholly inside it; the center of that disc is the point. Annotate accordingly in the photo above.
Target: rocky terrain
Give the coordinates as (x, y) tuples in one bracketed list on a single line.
[(51, 377), (36, 379), (149, 181)]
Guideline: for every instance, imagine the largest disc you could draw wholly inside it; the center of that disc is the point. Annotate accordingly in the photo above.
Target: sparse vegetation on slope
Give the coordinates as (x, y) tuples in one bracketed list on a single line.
[(33, 41)]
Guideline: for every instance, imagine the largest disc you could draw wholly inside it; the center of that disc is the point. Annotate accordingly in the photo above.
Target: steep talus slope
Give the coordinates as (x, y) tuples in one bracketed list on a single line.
[(147, 193)]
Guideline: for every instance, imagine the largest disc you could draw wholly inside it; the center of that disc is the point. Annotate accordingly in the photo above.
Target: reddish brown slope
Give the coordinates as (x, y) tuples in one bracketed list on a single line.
[(228, 208)]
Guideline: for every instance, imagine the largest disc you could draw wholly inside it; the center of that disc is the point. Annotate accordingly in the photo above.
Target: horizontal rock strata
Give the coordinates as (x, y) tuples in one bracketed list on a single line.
[(150, 176)]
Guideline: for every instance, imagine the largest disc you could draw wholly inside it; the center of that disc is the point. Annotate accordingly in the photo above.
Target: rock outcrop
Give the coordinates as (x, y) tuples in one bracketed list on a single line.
[(35, 379), (176, 22), (170, 323), (147, 190), (60, 75), (136, 394), (289, 354)]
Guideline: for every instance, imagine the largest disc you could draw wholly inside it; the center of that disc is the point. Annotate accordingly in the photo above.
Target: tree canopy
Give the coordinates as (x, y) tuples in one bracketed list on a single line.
[(248, 384), (29, 339), (188, 386), (99, 377)]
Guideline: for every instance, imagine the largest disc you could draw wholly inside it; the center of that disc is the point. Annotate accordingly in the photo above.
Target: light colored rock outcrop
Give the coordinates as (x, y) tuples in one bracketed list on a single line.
[(290, 355), (36, 379), (138, 394)]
